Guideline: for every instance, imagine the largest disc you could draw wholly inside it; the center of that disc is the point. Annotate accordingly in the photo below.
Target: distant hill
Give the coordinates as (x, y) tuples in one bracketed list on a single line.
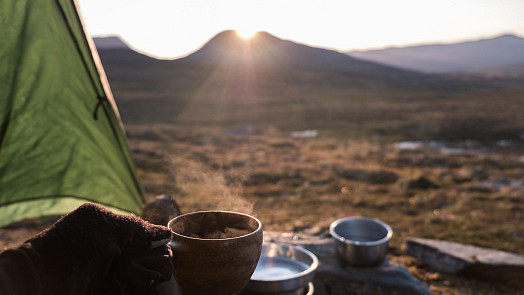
[(266, 50), (502, 51), (264, 72), (265, 81)]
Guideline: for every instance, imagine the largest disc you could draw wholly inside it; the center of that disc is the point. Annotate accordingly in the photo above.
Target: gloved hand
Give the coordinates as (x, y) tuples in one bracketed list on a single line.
[(95, 251)]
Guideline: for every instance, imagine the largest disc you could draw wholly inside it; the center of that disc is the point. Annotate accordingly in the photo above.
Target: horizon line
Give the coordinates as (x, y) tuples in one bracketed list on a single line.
[(355, 49)]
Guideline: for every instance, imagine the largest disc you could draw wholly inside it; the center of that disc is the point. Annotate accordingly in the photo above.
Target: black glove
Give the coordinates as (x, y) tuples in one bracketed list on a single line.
[(94, 251)]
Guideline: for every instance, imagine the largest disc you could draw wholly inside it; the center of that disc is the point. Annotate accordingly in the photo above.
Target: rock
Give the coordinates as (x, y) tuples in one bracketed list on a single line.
[(468, 174), (259, 178), (161, 210), (483, 263), (421, 183), (372, 177), (333, 278)]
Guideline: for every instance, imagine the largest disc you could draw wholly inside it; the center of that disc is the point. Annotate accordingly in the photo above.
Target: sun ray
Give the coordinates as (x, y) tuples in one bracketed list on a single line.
[(246, 33)]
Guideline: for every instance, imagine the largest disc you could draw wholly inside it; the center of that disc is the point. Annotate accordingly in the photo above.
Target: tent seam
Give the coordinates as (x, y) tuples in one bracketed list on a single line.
[(121, 145)]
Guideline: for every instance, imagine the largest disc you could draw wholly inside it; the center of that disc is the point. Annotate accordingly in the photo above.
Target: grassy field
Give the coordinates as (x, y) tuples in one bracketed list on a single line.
[(249, 162), (472, 196)]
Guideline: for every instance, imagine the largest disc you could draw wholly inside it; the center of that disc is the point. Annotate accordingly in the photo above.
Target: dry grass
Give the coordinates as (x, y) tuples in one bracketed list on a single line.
[(304, 184)]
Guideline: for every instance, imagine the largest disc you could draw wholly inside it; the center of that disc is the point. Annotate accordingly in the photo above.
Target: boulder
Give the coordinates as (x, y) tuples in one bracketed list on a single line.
[(468, 174), (332, 278), (483, 263), (372, 177), (160, 210), (421, 183)]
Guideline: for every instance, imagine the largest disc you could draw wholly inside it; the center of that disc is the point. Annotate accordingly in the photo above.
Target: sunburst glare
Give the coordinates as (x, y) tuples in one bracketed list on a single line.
[(246, 33)]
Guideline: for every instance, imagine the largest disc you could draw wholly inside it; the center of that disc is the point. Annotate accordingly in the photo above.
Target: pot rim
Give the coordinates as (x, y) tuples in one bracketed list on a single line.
[(338, 237), (311, 268)]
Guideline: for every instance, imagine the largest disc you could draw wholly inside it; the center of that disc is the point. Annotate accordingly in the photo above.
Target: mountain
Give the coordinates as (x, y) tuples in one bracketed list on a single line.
[(269, 81), (266, 50), (506, 50)]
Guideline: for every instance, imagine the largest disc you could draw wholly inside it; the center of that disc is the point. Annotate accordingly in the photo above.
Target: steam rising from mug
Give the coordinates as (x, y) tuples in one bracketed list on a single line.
[(208, 187)]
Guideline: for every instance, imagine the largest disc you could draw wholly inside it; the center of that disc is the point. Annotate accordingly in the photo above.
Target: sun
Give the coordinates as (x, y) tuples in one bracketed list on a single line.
[(246, 33)]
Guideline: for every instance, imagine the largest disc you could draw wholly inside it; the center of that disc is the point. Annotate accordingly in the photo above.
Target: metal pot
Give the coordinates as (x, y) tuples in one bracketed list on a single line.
[(360, 241), (283, 269)]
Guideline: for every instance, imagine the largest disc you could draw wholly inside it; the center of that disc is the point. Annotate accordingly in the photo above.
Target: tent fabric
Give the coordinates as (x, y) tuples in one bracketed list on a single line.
[(61, 139)]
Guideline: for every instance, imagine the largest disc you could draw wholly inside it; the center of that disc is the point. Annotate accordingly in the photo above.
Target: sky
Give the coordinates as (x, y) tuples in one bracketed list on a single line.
[(173, 28)]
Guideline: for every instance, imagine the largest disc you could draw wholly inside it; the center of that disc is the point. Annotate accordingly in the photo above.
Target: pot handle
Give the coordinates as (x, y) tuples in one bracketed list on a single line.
[(172, 244)]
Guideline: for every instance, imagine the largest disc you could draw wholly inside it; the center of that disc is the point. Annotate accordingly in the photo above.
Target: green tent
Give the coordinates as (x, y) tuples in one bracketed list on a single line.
[(61, 138)]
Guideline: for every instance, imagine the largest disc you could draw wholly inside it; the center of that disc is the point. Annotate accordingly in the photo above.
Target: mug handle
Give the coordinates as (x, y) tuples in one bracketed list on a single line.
[(156, 244)]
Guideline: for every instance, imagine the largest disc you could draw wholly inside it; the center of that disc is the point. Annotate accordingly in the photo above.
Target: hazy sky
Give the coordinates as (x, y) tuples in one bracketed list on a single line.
[(172, 28)]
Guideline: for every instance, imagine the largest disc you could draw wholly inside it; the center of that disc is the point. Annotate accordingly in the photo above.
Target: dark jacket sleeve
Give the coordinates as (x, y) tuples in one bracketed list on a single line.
[(21, 274), (90, 251), (20, 271)]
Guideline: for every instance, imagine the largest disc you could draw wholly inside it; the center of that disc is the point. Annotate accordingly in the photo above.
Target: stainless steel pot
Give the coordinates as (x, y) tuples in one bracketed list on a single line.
[(283, 269), (360, 241)]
